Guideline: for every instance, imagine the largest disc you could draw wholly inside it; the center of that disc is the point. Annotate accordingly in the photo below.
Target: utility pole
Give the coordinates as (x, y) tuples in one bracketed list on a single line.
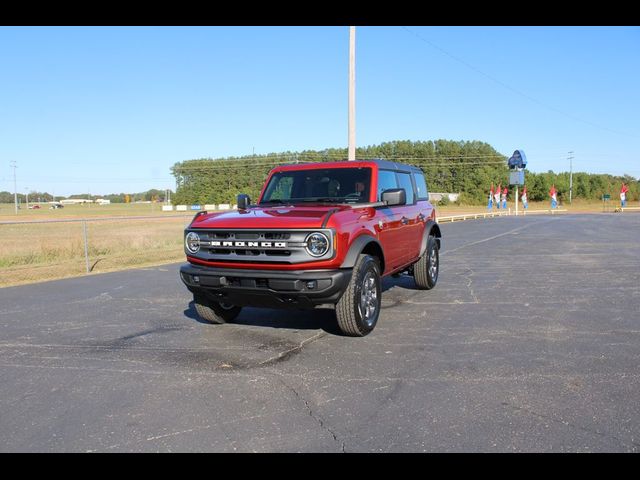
[(27, 196), (352, 93), (570, 176), (15, 188)]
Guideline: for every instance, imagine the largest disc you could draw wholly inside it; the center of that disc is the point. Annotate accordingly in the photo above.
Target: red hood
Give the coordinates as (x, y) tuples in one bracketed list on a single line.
[(283, 217)]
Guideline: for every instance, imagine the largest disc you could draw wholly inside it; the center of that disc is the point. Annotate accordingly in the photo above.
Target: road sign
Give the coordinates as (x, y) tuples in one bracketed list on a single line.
[(516, 177)]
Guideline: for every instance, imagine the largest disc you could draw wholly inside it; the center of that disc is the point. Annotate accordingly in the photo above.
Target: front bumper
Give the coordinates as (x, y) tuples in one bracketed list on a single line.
[(267, 288)]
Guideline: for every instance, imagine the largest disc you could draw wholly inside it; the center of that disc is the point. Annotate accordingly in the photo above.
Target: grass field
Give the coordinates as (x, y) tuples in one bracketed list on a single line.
[(7, 211), (33, 252), (44, 251)]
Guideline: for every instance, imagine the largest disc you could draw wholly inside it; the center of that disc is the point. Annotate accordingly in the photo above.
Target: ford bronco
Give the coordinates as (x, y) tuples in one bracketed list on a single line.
[(320, 234)]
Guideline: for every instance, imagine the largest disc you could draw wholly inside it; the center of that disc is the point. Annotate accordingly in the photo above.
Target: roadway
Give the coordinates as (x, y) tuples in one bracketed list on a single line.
[(529, 342)]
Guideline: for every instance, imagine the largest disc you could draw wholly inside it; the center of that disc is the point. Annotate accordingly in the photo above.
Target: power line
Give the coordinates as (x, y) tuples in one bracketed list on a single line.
[(315, 153), (216, 163), (101, 180), (227, 167), (510, 88)]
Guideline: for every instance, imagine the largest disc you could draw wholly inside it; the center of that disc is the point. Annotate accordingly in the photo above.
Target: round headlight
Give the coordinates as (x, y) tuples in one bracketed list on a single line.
[(317, 244), (192, 242)]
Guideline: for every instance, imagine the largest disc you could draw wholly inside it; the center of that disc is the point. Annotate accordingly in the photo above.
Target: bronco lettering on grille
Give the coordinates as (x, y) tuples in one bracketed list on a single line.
[(216, 243)]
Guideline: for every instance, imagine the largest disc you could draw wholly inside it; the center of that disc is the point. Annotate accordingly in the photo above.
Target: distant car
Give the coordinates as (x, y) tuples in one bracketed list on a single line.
[(56, 206), (34, 207)]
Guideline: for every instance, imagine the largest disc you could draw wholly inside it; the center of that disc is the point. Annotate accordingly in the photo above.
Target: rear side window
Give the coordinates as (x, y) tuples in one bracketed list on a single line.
[(421, 186), (407, 184), (386, 181)]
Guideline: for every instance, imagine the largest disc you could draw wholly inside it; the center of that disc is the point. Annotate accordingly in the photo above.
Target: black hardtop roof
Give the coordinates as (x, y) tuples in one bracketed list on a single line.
[(383, 164), (387, 165)]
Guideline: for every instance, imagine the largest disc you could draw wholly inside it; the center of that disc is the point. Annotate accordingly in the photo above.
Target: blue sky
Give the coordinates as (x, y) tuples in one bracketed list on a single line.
[(111, 109)]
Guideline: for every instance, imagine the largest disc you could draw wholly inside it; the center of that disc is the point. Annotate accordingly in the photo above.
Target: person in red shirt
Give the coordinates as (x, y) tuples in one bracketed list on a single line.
[(623, 195), (553, 193)]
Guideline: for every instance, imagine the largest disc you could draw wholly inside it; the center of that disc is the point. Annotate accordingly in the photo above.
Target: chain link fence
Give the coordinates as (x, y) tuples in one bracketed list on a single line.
[(43, 250)]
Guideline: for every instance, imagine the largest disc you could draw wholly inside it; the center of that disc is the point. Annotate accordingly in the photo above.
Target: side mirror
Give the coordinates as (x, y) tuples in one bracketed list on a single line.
[(243, 201), (394, 196)]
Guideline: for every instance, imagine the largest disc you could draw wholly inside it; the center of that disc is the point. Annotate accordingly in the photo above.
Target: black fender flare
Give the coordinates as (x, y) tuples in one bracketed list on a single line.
[(356, 248), (431, 228)]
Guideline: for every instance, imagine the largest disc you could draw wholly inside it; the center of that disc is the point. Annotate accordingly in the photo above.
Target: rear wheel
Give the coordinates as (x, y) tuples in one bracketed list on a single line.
[(358, 309), (215, 312), (425, 271)]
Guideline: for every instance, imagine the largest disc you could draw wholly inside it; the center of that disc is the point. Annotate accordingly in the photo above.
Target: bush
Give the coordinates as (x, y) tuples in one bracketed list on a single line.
[(464, 199)]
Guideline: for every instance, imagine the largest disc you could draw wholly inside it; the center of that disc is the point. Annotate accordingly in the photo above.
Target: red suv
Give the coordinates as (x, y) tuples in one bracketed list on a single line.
[(320, 234)]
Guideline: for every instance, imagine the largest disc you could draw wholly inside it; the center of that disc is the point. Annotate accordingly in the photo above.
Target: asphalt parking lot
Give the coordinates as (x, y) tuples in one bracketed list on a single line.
[(529, 342)]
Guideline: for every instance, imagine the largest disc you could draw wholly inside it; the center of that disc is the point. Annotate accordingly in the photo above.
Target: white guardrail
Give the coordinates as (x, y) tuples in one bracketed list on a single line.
[(444, 219), (474, 216)]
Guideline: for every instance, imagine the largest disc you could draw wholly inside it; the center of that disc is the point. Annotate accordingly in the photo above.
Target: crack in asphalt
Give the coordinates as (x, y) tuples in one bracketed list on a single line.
[(287, 354), (151, 331), (315, 416), (127, 343), (467, 276)]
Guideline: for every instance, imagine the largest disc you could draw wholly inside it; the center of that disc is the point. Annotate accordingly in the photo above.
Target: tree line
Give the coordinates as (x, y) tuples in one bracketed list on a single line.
[(588, 186), (465, 167), (152, 195)]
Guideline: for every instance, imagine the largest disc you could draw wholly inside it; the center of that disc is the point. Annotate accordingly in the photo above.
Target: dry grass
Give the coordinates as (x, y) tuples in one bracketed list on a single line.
[(45, 251), (7, 211)]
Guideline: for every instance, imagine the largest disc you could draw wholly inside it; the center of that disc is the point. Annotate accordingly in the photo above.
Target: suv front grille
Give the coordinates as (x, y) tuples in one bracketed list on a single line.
[(277, 236), (269, 246)]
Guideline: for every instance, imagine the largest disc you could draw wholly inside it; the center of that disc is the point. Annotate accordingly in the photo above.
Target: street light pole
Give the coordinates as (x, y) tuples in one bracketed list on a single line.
[(570, 176), (352, 94), (15, 188)]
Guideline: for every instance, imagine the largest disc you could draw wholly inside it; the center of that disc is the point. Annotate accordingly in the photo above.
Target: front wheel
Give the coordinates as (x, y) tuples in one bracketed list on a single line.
[(425, 271), (215, 312), (358, 309)]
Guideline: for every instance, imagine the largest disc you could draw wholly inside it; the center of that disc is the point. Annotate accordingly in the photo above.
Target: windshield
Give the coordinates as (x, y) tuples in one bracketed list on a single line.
[(329, 185)]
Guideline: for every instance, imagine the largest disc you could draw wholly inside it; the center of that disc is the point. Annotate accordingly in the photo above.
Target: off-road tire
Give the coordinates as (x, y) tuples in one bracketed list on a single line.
[(426, 270), (214, 312), (365, 280)]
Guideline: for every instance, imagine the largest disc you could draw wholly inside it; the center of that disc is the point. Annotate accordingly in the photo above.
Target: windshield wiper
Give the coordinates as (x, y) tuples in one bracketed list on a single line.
[(274, 200), (322, 200)]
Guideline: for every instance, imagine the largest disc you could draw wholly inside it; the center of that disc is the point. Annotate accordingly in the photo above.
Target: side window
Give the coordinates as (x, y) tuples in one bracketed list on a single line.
[(407, 184), (421, 186), (386, 181)]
